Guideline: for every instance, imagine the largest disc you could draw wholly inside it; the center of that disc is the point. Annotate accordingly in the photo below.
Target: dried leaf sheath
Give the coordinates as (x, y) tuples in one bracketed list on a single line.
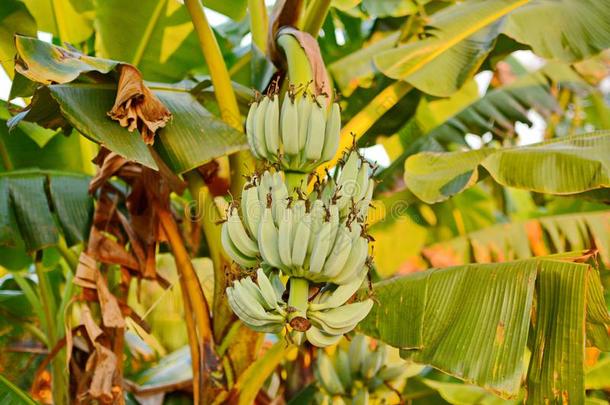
[(136, 107)]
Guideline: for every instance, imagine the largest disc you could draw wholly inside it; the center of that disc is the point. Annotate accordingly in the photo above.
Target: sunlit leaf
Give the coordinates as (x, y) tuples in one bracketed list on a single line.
[(562, 166)]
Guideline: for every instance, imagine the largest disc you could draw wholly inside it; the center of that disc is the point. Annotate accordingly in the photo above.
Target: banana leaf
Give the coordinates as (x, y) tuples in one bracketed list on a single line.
[(526, 239), (14, 17), (562, 166), (458, 38), (12, 395), (192, 137), (36, 207), (474, 322)]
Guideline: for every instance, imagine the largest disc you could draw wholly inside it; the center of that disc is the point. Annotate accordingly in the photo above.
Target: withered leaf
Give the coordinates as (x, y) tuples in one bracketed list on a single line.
[(136, 107), (111, 313), (104, 366), (106, 250), (86, 271)]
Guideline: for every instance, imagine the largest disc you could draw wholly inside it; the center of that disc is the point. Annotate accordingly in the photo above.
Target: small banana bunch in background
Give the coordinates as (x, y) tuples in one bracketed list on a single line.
[(310, 249), (299, 135), (357, 374)]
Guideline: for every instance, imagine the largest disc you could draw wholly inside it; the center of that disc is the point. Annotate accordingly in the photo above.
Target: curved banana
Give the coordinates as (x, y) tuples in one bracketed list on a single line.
[(315, 130), (320, 248), (258, 139), (358, 349), (304, 111), (238, 235), (332, 133), (285, 237), (250, 123), (290, 125), (237, 256), (268, 240), (272, 130), (342, 319), (327, 375), (334, 298), (266, 289), (301, 240), (251, 209)]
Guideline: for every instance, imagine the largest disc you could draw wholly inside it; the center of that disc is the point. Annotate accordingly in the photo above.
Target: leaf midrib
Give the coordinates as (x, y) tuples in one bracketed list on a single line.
[(152, 22), (463, 35)]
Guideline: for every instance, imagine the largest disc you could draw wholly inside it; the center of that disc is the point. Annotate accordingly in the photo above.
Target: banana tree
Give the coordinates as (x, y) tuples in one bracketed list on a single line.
[(277, 187)]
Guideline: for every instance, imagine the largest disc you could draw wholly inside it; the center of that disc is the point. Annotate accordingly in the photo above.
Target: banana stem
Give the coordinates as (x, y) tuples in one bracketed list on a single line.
[(315, 16), (295, 180), (298, 300), (223, 89), (299, 68), (258, 23)]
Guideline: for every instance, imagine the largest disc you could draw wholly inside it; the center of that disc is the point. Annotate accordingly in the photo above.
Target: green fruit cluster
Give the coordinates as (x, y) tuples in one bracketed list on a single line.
[(356, 375), (299, 135), (315, 241)]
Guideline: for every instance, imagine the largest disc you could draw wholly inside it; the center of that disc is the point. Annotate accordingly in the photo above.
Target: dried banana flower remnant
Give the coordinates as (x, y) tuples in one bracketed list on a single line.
[(136, 107)]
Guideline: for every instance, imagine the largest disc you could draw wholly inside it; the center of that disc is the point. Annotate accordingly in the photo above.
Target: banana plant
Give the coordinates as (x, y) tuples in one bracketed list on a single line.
[(148, 128)]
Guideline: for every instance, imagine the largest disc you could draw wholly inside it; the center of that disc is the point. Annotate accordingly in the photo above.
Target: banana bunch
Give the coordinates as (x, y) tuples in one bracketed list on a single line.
[(299, 135), (352, 189), (297, 234), (327, 317), (259, 305), (356, 374)]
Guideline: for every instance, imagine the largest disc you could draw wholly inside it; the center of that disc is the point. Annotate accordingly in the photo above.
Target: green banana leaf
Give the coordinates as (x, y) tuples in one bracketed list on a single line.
[(474, 322), (12, 395), (526, 239), (193, 137), (36, 207), (68, 20), (155, 36), (562, 166), (456, 42), (458, 39), (14, 17), (579, 30)]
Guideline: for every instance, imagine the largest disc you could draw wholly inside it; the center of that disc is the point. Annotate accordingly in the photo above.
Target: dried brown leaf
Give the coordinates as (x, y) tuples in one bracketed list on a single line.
[(111, 312), (136, 107), (108, 251), (103, 363)]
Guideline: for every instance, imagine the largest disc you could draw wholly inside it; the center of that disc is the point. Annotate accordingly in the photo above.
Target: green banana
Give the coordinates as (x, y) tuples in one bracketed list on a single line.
[(332, 133), (272, 131), (315, 130), (358, 349), (285, 237), (320, 248), (251, 209), (337, 297), (339, 254), (290, 126), (304, 111), (268, 240), (238, 234), (250, 123), (259, 147), (327, 375), (233, 252), (266, 289), (342, 319), (301, 240)]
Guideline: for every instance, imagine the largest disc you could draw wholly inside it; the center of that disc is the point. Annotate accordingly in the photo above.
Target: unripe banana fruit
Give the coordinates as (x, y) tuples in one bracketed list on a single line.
[(299, 134), (357, 374), (327, 316)]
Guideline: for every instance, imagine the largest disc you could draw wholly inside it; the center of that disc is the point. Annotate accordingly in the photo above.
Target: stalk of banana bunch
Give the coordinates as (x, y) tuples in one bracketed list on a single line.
[(298, 134), (357, 374)]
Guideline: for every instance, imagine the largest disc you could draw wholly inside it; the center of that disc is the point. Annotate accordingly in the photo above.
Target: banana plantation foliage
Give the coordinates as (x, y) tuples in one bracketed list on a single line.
[(304, 202)]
